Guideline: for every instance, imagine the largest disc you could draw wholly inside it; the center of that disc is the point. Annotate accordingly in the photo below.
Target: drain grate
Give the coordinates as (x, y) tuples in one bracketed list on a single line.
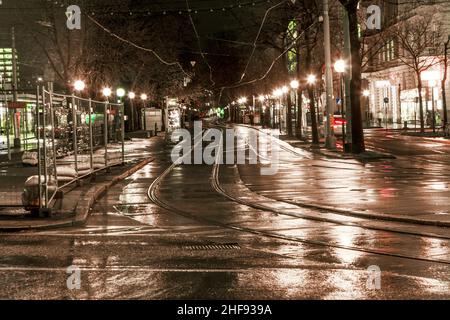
[(215, 246)]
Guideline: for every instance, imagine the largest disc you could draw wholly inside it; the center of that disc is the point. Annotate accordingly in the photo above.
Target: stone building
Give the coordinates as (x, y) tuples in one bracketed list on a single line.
[(392, 84)]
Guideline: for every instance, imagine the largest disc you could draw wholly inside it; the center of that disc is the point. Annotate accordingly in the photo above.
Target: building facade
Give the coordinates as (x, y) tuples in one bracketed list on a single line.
[(392, 84)]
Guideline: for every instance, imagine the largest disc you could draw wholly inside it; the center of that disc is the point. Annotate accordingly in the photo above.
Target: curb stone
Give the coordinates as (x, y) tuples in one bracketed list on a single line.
[(83, 207)]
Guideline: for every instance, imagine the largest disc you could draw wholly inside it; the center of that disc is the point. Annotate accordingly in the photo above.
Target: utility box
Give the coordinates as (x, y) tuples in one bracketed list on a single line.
[(152, 119)]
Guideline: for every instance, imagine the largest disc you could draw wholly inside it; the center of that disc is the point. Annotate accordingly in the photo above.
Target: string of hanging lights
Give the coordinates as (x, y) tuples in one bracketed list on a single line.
[(120, 9), (181, 11)]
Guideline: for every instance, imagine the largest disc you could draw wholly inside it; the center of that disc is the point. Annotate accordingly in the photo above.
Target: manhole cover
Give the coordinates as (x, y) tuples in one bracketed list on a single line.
[(215, 246)]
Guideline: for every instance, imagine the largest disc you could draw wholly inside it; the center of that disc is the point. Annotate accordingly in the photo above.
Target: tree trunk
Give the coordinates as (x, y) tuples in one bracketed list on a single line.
[(358, 145), (298, 92), (419, 87), (444, 80), (299, 114), (312, 106), (310, 89), (289, 115)]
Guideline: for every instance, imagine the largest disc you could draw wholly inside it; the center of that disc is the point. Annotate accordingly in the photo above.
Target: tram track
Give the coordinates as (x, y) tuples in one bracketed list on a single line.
[(338, 211), (153, 195)]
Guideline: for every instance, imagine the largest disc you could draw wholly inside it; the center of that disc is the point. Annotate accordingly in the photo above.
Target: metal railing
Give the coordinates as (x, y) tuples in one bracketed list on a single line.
[(76, 137)]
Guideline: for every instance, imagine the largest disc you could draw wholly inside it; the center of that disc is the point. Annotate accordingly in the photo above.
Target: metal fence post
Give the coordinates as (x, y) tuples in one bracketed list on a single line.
[(122, 122), (91, 147), (38, 136), (8, 141), (105, 133), (52, 120), (44, 141), (74, 134)]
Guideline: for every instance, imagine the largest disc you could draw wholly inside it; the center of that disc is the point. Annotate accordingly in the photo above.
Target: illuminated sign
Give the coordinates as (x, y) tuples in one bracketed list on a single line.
[(6, 65)]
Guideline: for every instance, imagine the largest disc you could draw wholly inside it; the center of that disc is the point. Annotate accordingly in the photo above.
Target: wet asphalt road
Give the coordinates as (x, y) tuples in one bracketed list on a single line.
[(218, 232)]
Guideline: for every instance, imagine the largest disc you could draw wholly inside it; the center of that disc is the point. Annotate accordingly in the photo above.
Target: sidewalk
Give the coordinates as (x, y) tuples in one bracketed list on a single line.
[(385, 188), (321, 150), (77, 198)]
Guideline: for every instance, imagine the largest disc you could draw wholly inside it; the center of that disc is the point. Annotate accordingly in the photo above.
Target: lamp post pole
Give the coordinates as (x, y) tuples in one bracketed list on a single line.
[(330, 141), (444, 80), (433, 113), (16, 123), (8, 142), (343, 111)]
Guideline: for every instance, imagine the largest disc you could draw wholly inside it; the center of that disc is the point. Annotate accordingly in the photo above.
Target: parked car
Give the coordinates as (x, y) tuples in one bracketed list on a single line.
[(338, 122)]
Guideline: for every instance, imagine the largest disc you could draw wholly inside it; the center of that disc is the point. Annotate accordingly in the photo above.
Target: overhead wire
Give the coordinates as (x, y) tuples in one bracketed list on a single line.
[(163, 61), (200, 44), (289, 47), (257, 38)]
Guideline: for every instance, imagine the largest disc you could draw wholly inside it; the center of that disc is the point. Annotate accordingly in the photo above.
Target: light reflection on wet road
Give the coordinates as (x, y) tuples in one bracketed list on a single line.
[(133, 248)]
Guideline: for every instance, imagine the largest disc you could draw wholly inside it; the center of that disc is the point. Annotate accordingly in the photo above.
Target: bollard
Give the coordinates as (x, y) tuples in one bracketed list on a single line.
[(405, 125)]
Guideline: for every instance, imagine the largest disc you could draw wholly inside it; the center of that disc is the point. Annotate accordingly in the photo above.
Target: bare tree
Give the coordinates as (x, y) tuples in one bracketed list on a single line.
[(418, 38), (351, 6)]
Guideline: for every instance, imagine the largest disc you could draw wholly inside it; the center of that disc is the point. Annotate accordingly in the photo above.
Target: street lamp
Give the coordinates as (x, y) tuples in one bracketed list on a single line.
[(143, 97), (120, 92), (79, 85), (131, 96), (340, 66), (107, 92), (277, 93), (311, 79), (294, 84)]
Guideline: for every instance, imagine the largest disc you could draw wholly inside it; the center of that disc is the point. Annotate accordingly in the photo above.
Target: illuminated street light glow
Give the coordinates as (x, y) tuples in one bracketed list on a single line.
[(131, 95), (284, 89), (242, 100), (79, 85), (340, 66), (278, 92), (261, 98), (120, 92), (107, 92), (430, 75), (144, 96), (294, 84), (311, 79)]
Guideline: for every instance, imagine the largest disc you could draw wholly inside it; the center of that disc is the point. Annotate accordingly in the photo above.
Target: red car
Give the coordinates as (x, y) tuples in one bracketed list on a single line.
[(338, 122)]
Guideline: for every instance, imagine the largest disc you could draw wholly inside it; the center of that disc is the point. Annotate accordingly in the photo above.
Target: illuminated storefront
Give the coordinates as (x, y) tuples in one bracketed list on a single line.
[(394, 96)]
